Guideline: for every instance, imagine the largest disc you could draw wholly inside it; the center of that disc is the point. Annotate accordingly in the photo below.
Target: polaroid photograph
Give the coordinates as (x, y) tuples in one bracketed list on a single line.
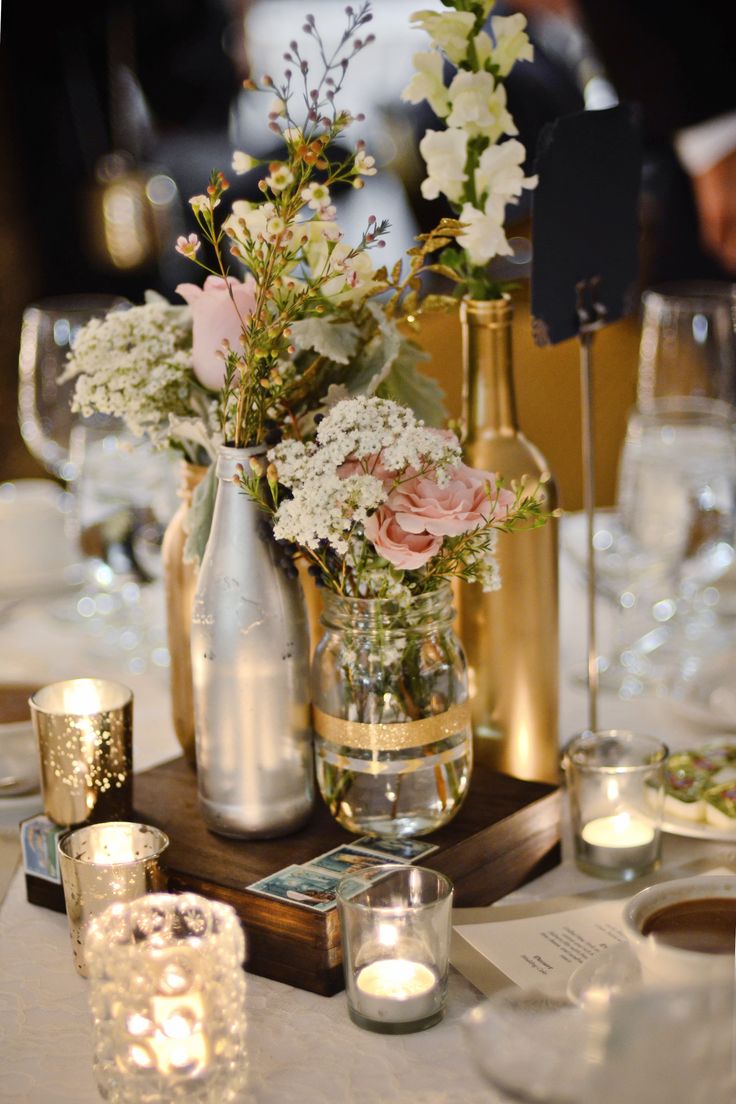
[(301, 885), (351, 860), (402, 850), (39, 839)]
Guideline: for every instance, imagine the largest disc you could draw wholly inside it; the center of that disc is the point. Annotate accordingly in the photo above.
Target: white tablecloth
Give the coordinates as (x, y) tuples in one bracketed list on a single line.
[(301, 1047)]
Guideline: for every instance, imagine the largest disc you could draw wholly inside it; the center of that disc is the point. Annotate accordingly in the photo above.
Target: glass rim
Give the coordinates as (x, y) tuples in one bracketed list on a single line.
[(690, 294), (125, 692), (576, 743), (162, 843), (386, 869)]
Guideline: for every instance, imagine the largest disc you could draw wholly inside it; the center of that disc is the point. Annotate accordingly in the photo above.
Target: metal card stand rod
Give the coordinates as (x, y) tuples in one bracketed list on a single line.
[(592, 317)]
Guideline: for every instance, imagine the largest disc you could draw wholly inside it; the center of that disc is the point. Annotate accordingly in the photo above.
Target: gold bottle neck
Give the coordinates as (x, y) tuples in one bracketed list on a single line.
[(489, 402)]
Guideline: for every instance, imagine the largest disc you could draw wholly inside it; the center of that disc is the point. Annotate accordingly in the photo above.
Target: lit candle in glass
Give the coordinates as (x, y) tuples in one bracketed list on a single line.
[(396, 990), (105, 863), (615, 783), (85, 739), (167, 994), (395, 925)]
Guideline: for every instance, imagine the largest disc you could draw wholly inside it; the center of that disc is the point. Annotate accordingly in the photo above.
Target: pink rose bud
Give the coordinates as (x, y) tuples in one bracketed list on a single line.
[(216, 319)]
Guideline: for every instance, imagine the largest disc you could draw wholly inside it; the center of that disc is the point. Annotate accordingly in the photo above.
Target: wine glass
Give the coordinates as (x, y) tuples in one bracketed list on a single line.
[(688, 342), (48, 332), (677, 502)]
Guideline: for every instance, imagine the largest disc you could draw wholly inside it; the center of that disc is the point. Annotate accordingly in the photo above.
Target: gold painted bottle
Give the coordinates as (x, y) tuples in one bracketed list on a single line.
[(510, 635)]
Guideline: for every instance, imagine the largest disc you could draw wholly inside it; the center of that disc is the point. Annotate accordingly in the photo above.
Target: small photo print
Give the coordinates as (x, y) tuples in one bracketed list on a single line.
[(403, 850), (302, 886), (39, 840), (350, 860)]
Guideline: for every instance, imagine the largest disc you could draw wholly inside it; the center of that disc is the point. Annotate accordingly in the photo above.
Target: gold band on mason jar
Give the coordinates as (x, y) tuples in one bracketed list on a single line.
[(391, 737)]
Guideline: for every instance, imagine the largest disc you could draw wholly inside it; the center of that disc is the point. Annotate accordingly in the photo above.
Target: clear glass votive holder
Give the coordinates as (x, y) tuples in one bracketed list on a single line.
[(103, 864), (395, 923), (167, 994), (615, 782), (85, 741)]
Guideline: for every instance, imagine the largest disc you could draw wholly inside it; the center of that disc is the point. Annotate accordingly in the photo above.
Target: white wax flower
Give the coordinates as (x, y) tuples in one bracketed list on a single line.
[(512, 42), (450, 30), (483, 236), (243, 162), (499, 173), (479, 106), (445, 152), (428, 83)]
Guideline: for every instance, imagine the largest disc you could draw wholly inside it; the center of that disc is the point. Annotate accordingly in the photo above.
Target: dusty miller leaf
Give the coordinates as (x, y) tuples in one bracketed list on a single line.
[(198, 521), (335, 340), (407, 384)]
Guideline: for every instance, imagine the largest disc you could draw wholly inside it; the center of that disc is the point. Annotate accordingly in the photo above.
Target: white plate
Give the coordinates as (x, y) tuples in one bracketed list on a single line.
[(709, 696), (698, 829)]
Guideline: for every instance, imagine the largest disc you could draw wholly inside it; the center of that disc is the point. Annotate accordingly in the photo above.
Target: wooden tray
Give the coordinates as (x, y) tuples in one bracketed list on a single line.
[(507, 832)]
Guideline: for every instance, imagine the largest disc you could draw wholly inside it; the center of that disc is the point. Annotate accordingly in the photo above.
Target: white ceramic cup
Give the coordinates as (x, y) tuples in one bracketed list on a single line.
[(661, 963)]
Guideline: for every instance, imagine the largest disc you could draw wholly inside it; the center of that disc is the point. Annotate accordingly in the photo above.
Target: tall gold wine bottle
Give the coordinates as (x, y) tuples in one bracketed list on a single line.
[(510, 635)]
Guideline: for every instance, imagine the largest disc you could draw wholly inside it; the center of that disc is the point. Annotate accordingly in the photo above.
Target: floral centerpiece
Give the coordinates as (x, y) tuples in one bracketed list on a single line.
[(387, 514)]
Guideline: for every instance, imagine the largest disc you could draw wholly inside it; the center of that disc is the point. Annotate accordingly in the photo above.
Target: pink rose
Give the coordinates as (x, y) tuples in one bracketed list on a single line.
[(406, 551), (467, 501), (215, 319)]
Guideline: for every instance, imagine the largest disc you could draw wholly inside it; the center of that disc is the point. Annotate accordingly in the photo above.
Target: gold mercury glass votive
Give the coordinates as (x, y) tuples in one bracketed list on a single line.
[(167, 995), (85, 741), (103, 864)]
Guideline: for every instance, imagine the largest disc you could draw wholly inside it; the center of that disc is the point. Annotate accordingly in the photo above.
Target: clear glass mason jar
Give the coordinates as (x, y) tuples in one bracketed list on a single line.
[(391, 714)]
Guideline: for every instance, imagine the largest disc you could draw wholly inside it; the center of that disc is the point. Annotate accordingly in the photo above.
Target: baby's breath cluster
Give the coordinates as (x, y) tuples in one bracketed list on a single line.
[(136, 364)]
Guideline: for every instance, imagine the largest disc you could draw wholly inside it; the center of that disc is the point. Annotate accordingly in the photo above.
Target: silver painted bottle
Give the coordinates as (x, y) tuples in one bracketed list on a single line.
[(250, 666)]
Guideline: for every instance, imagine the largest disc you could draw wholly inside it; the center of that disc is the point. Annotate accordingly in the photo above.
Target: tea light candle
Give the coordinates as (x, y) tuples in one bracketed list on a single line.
[(622, 830), (622, 842), (396, 990)]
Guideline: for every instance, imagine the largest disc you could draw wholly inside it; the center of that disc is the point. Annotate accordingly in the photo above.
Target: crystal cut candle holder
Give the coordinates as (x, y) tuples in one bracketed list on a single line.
[(85, 740), (615, 782), (103, 864), (395, 924), (167, 995)]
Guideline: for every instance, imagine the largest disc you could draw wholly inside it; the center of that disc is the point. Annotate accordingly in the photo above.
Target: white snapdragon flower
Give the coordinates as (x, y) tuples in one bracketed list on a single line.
[(499, 174), (243, 162), (450, 30), (445, 152), (279, 178), (479, 106), (428, 83), (483, 236), (512, 42)]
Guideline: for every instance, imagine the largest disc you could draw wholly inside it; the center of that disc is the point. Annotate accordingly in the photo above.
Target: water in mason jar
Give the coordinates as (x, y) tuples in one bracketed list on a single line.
[(677, 486), (367, 796)]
